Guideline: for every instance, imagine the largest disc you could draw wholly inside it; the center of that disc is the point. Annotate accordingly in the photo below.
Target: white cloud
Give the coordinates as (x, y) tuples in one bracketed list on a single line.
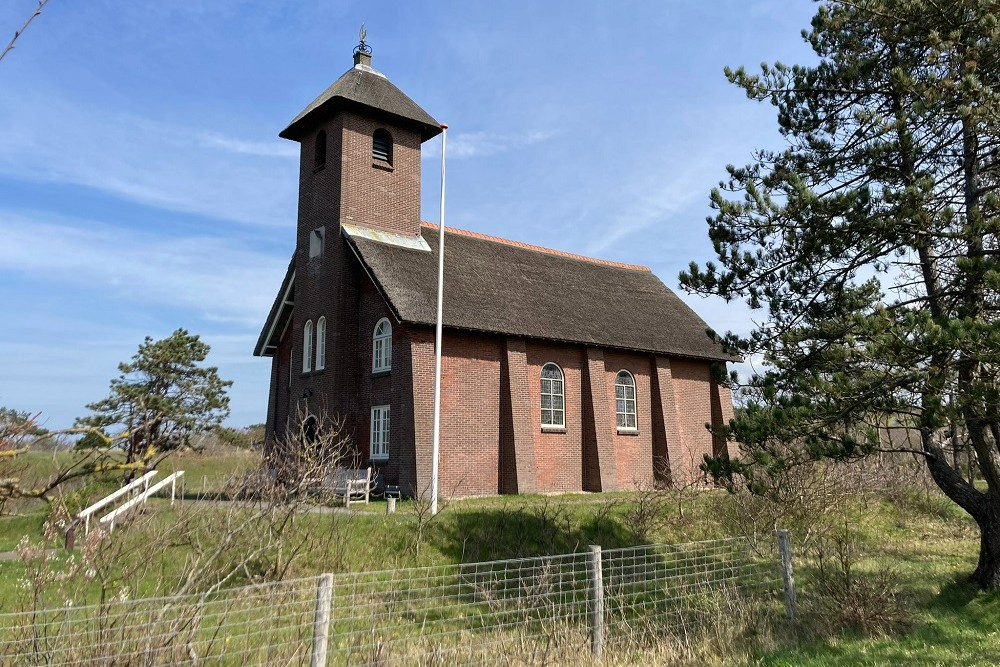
[(483, 144), (284, 149), (194, 170), (213, 276)]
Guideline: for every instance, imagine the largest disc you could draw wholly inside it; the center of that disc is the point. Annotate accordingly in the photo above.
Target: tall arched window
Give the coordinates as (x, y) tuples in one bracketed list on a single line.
[(625, 400), (321, 343), (382, 145), (553, 396), (319, 152), (307, 347), (382, 346)]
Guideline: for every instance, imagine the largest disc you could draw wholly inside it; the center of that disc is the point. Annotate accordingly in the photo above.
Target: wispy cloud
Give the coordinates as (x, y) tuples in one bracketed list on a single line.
[(283, 149), (648, 202), (75, 375), (484, 144), (193, 170), (213, 276)]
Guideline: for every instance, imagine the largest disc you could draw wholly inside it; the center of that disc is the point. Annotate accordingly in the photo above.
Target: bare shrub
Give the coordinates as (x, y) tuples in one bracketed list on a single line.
[(259, 535), (851, 591), (649, 510), (805, 499), (422, 518)]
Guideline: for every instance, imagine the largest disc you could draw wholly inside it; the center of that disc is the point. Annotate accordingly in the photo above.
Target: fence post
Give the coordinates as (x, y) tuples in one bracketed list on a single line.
[(321, 620), (785, 554), (596, 600)]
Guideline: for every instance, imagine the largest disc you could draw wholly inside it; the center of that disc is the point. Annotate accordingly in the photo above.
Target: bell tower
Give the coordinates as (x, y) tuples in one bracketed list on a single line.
[(360, 155), (359, 173)]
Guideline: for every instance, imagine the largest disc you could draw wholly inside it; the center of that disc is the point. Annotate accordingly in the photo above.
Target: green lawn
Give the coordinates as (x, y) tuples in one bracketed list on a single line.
[(925, 545)]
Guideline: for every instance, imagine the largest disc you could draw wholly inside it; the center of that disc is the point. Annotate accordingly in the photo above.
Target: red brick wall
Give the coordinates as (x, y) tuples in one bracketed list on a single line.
[(470, 414), (693, 397), (333, 285), (374, 193), (373, 389), (633, 451), (558, 455), (517, 438), (421, 340)]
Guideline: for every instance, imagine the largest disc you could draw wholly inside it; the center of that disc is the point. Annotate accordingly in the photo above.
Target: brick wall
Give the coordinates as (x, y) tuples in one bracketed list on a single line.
[(558, 453), (693, 401), (332, 285), (633, 451), (278, 400), (421, 342), (518, 472), (375, 193), (470, 414), (371, 389)]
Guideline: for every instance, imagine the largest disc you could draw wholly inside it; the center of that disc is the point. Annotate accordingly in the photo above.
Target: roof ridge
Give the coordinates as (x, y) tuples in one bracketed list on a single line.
[(538, 248)]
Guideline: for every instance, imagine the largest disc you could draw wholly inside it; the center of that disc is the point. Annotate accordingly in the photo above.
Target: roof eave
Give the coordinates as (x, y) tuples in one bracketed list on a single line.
[(297, 129), (281, 309), (721, 356)]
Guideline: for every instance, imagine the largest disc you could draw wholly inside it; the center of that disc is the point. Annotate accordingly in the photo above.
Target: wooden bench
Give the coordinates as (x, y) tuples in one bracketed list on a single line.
[(350, 483)]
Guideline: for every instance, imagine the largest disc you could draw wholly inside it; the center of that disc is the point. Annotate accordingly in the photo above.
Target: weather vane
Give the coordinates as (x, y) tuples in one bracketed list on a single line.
[(362, 47)]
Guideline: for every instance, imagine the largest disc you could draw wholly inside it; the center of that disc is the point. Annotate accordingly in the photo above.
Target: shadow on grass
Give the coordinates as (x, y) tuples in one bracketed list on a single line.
[(519, 530)]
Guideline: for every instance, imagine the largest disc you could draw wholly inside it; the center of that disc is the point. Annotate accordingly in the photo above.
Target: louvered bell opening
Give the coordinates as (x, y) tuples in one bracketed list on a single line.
[(382, 146)]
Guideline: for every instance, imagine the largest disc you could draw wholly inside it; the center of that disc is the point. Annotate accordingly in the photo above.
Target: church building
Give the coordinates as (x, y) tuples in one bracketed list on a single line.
[(559, 373)]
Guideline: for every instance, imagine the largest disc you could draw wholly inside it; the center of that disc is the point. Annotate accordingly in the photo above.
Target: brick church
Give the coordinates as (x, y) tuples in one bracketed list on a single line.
[(559, 373)]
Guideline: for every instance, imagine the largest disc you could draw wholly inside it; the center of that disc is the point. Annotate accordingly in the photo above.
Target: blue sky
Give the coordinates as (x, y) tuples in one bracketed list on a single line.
[(143, 186)]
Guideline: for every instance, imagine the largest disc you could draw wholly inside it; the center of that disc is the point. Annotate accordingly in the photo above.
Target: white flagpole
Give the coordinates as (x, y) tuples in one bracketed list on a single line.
[(436, 443)]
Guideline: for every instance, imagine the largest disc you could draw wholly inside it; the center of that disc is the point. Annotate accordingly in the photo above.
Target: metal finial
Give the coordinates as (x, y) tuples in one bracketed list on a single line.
[(362, 47)]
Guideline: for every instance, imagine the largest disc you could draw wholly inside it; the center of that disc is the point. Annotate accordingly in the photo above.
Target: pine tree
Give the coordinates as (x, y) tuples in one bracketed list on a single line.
[(871, 240), (161, 398)]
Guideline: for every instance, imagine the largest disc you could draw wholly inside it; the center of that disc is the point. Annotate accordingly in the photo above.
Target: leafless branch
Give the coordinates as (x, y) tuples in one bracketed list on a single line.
[(17, 33)]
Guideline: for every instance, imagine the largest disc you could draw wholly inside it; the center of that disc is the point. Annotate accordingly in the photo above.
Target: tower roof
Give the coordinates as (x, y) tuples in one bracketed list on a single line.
[(364, 89)]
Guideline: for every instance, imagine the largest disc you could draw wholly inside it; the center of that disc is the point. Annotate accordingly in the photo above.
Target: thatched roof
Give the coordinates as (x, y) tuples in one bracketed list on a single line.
[(362, 88), (504, 287)]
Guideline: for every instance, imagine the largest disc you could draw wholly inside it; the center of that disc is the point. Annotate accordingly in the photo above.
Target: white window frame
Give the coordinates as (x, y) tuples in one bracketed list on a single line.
[(625, 405), (307, 346), (378, 435), (382, 346), (549, 389), (321, 343)]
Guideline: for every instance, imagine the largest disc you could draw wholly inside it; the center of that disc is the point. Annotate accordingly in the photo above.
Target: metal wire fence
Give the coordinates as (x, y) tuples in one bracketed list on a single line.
[(522, 610)]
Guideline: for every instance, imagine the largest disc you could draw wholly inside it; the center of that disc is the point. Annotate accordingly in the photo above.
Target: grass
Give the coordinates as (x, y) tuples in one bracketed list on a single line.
[(207, 472), (926, 544), (958, 626)]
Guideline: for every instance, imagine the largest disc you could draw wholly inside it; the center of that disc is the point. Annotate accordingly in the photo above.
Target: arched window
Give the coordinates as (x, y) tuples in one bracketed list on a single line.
[(321, 343), (625, 400), (382, 146), (307, 347), (553, 396), (319, 153), (382, 346)]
